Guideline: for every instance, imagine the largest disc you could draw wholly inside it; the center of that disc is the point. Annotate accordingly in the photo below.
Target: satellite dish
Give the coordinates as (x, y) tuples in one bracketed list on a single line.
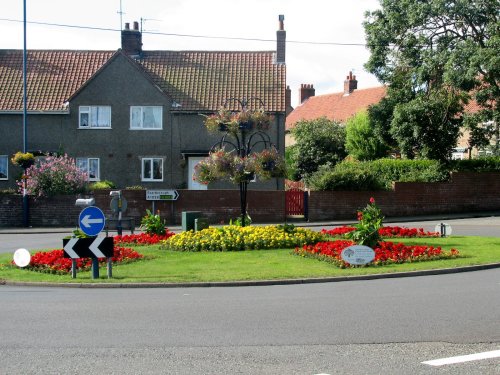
[(443, 229), (22, 257)]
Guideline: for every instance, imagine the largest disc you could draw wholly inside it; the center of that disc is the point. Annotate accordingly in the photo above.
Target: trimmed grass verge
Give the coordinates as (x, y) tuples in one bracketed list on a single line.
[(161, 266)]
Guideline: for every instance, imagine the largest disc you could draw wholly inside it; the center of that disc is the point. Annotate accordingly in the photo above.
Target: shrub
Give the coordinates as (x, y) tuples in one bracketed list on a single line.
[(99, 185), (135, 187), (376, 175), (153, 224), (366, 231), (486, 164), (55, 175)]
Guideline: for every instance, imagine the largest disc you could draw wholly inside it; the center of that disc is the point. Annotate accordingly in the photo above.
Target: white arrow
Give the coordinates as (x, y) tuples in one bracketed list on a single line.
[(94, 247), (69, 248), (87, 221)]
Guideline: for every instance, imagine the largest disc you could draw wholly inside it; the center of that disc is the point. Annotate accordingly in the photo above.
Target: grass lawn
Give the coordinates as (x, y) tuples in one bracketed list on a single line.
[(168, 266)]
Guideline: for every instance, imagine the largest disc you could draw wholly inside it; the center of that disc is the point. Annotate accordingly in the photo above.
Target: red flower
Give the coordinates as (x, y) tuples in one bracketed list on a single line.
[(372, 200)]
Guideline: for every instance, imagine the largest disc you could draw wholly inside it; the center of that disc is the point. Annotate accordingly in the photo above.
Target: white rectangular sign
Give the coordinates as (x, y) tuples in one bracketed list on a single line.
[(162, 195)]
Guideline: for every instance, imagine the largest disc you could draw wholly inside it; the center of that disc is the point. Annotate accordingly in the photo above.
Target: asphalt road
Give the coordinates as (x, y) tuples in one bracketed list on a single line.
[(387, 326)]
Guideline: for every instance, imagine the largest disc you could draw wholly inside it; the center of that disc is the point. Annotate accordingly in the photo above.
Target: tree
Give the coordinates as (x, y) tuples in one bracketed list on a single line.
[(435, 54), (361, 141), (318, 142)]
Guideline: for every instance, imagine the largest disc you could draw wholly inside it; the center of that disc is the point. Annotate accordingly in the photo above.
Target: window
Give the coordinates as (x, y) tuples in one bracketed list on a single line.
[(4, 162), (89, 166), (152, 169), (95, 117), (146, 117)]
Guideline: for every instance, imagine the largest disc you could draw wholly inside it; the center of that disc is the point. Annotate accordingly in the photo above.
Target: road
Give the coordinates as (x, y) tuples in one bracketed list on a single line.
[(387, 326)]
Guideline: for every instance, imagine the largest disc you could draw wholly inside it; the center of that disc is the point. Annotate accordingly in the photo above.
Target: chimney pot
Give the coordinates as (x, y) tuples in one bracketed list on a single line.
[(136, 26), (127, 26), (350, 84), (306, 91)]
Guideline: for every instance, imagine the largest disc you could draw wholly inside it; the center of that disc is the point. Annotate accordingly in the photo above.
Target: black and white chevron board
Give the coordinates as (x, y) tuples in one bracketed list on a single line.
[(94, 247), (97, 247)]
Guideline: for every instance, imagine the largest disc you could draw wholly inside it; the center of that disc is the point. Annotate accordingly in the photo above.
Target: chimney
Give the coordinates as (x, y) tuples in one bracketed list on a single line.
[(288, 100), (306, 91), (132, 40), (350, 84), (281, 41)]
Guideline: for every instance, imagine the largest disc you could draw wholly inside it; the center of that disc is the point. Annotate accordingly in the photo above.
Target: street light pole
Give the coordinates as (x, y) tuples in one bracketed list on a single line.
[(25, 121)]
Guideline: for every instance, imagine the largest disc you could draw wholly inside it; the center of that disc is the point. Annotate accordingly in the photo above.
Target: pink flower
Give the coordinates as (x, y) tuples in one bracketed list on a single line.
[(372, 200)]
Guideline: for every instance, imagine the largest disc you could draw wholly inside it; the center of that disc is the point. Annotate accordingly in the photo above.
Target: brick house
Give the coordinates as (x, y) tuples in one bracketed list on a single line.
[(336, 107), (343, 105), (134, 116)]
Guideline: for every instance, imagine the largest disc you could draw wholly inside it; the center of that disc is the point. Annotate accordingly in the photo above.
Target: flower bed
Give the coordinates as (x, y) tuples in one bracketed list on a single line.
[(385, 253), (234, 238), (386, 231), (54, 261), (142, 238)]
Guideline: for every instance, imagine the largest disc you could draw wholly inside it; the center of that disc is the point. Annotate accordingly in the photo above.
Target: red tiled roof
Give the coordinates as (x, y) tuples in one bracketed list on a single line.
[(338, 107), (52, 77), (197, 80)]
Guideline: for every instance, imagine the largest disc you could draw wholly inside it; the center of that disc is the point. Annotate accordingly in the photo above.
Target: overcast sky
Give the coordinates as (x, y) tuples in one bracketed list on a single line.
[(328, 22)]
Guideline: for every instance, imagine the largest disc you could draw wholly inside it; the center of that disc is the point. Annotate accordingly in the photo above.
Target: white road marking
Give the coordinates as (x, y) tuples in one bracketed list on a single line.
[(463, 358)]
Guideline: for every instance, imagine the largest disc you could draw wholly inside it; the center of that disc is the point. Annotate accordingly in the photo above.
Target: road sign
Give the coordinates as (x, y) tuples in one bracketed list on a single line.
[(91, 221), (358, 254), (162, 195), (100, 247)]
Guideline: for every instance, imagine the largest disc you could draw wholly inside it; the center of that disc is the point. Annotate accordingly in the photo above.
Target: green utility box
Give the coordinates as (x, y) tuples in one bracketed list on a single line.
[(200, 223), (188, 218)]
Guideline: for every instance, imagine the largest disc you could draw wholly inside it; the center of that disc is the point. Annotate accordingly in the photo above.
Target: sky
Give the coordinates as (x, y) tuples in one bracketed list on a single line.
[(323, 24)]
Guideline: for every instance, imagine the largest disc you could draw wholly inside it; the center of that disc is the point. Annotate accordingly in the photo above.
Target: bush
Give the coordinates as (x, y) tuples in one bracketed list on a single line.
[(376, 175), (153, 224), (100, 185), (55, 175), (486, 164)]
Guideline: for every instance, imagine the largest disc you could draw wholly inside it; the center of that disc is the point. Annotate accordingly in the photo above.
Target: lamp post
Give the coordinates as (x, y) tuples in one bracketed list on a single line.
[(243, 142), (25, 115)]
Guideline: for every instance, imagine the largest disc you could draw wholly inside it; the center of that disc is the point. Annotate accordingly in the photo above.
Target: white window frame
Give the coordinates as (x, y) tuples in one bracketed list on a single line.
[(151, 177), (85, 168), (142, 115), (6, 158), (93, 113)]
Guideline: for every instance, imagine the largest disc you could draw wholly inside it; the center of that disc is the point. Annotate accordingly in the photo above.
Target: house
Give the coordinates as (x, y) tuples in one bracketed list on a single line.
[(336, 107), (133, 116)]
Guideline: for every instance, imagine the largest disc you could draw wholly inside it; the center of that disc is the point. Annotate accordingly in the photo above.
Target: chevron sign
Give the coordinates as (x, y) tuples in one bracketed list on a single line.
[(97, 247)]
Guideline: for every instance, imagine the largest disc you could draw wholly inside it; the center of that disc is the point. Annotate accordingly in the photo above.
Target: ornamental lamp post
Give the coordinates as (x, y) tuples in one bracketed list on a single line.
[(243, 134)]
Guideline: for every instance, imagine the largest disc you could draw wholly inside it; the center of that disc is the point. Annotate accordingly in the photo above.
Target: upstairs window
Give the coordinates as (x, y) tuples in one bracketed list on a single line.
[(146, 117), (95, 117), (4, 162), (89, 166), (152, 169)]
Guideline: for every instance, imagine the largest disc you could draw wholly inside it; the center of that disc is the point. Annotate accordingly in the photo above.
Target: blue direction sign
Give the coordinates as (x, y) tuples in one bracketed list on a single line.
[(92, 220)]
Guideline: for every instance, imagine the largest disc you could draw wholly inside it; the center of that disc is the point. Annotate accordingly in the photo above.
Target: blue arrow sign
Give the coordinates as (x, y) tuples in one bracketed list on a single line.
[(91, 220)]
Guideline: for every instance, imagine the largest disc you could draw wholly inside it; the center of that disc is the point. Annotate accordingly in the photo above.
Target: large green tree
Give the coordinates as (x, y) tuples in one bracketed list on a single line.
[(319, 142), (435, 56)]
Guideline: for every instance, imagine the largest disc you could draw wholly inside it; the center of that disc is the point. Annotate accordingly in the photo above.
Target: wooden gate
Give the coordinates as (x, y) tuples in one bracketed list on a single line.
[(295, 203)]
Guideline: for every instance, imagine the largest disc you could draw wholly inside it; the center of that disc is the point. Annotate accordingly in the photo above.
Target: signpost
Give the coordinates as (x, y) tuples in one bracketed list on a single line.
[(91, 221), (162, 195)]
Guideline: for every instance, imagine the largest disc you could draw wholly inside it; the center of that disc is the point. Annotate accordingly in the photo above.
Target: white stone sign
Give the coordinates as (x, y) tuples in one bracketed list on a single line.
[(358, 254)]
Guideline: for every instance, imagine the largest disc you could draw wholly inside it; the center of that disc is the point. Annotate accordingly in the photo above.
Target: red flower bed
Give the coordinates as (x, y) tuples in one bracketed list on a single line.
[(142, 238), (386, 231), (385, 252), (54, 261)]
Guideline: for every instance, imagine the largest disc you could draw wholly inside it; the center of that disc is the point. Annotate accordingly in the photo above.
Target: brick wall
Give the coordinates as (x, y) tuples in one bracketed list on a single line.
[(466, 192)]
